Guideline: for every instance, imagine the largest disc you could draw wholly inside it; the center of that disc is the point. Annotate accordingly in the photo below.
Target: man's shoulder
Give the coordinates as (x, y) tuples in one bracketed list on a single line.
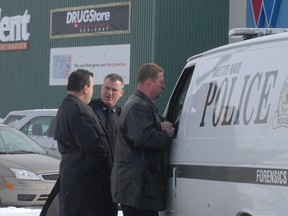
[(72, 107), (96, 104), (68, 103)]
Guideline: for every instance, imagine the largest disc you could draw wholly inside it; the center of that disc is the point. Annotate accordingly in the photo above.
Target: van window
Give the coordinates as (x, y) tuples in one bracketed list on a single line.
[(177, 100)]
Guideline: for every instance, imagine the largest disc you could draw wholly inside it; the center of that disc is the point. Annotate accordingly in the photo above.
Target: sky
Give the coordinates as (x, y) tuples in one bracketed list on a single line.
[(13, 211)]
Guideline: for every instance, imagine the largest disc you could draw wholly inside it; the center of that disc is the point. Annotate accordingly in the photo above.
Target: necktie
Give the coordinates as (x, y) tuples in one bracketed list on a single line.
[(111, 128)]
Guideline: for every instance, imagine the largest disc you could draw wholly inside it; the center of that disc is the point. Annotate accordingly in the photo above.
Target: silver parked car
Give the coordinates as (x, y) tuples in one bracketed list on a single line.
[(27, 172), (38, 124)]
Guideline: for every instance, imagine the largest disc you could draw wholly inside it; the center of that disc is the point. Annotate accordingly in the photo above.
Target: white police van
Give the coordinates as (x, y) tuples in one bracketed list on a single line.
[(230, 154)]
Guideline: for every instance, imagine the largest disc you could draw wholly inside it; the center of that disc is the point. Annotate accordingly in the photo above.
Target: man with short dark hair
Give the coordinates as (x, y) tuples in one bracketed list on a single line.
[(139, 169), (86, 155)]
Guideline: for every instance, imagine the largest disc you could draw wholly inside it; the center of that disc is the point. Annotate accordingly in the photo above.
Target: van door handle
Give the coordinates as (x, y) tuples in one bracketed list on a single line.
[(174, 177)]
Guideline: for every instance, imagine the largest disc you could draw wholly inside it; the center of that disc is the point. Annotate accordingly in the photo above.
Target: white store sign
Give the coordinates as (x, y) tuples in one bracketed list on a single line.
[(100, 60)]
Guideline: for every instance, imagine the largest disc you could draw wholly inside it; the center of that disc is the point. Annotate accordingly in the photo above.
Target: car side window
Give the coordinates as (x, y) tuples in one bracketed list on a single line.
[(39, 126)]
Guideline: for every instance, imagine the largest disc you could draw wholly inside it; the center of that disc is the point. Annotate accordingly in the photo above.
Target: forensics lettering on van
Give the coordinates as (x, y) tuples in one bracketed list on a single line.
[(250, 106), (93, 19), (269, 176), (14, 31)]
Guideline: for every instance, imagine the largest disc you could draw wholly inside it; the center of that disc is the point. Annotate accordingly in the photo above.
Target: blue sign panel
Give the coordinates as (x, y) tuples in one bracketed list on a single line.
[(267, 14)]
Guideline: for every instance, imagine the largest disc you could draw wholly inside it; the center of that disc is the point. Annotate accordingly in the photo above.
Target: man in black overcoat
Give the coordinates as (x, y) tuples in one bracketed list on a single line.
[(84, 188), (140, 162), (111, 92)]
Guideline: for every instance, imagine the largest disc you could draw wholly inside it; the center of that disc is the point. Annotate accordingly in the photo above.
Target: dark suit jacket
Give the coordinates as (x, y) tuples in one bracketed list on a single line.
[(139, 170), (101, 110)]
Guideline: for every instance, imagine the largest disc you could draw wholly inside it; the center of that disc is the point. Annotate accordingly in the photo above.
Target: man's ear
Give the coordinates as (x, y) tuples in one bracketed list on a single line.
[(149, 82), (85, 89), (122, 92)]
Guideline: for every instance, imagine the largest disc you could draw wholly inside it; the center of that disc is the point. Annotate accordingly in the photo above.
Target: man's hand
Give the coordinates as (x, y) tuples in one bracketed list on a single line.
[(168, 128)]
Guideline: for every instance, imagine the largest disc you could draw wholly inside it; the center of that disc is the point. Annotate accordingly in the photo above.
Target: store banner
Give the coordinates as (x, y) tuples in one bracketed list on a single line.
[(100, 60), (90, 20)]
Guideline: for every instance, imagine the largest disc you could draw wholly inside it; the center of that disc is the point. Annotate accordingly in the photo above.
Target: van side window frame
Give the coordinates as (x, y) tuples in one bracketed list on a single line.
[(178, 96)]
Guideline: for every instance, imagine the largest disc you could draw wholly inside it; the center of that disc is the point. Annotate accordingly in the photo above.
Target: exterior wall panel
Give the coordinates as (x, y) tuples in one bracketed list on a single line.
[(185, 28), (161, 31)]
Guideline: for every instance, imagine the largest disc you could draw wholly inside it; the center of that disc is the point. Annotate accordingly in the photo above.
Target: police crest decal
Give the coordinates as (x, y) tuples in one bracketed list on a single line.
[(281, 116)]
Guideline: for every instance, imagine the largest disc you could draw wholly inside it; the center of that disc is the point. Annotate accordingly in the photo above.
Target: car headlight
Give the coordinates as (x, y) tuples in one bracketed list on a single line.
[(25, 174)]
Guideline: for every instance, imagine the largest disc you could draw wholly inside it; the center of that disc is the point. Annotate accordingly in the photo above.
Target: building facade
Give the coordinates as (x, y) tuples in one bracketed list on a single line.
[(41, 42)]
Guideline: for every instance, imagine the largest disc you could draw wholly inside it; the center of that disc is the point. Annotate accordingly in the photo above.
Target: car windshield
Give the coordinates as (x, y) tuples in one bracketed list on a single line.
[(13, 141), (11, 119)]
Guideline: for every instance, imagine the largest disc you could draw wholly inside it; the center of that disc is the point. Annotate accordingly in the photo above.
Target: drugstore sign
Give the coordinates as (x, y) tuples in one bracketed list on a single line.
[(14, 33), (90, 20)]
